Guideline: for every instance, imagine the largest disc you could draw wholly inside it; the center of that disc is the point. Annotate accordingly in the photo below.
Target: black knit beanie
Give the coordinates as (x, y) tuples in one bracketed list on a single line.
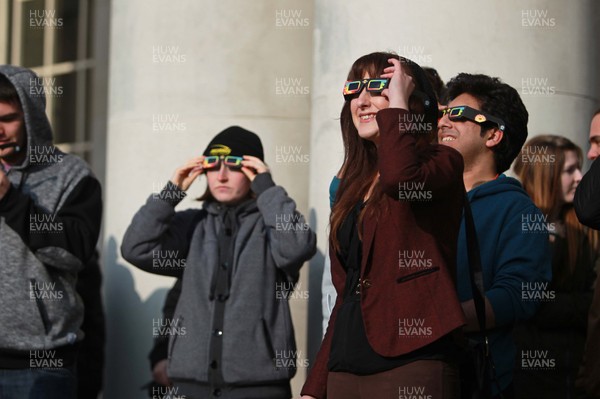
[(235, 141)]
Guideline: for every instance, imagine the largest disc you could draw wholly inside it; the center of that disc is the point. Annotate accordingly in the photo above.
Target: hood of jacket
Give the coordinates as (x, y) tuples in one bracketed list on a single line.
[(31, 91), (502, 185), (239, 210)]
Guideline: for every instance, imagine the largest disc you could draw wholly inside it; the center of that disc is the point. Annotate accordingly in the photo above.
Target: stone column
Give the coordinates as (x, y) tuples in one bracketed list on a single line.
[(180, 72)]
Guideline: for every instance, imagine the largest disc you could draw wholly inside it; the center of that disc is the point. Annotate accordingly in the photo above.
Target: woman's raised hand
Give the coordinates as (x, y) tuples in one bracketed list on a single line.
[(252, 166), (401, 85), (185, 175)]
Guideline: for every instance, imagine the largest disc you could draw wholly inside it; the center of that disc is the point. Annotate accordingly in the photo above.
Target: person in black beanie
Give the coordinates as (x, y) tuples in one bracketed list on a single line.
[(231, 334)]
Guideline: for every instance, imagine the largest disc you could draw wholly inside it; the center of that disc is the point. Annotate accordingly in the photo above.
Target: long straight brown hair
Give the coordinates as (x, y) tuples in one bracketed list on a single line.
[(539, 166), (359, 168)]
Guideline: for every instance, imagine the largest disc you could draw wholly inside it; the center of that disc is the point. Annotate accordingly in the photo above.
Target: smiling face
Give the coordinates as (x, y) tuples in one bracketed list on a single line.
[(363, 109), (570, 176), (228, 186), (463, 135)]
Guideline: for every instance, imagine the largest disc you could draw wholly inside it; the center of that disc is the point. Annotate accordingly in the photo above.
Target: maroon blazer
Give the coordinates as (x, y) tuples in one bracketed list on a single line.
[(408, 268)]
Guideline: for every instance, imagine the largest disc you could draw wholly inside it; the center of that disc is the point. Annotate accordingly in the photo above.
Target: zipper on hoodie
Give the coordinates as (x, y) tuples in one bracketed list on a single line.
[(41, 307)]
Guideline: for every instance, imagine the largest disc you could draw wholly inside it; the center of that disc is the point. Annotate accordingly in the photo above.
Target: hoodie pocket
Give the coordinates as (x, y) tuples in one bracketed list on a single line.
[(43, 312), (418, 274)]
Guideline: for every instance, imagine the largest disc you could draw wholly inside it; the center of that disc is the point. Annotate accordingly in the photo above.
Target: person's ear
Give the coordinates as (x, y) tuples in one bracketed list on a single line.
[(493, 137)]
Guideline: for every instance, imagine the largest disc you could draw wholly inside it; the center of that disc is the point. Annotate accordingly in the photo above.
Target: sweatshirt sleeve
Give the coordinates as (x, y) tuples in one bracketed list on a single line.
[(587, 198), (66, 239), (523, 270), (400, 161), (291, 240), (157, 240)]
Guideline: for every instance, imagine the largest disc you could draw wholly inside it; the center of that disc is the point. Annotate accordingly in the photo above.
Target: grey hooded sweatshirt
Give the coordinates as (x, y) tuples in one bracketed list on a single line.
[(49, 226), (252, 344)]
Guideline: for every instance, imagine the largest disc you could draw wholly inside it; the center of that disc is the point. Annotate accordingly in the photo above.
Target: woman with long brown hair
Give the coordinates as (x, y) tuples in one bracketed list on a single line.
[(393, 238), (549, 168)]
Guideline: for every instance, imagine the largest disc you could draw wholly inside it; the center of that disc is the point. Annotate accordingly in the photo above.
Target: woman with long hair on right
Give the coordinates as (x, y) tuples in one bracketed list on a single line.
[(550, 345)]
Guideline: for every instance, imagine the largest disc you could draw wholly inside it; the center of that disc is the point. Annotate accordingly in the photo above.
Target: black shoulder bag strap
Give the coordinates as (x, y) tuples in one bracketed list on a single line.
[(475, 272), (477, 288)]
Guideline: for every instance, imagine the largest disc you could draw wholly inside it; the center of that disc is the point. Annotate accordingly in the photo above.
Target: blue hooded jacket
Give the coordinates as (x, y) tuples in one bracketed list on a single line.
[(515, 260)]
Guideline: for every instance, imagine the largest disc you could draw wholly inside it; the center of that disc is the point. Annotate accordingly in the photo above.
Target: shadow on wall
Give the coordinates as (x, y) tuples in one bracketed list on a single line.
[(129, 328), (315, 313)]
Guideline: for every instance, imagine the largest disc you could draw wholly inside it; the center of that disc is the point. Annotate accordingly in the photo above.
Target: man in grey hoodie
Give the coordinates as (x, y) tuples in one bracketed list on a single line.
[(240, 256), (50, 212)]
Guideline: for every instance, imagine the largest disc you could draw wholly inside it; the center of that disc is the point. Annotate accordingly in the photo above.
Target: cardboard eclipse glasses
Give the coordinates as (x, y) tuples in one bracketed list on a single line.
[(464, 112), (214, 162), (352, 88)]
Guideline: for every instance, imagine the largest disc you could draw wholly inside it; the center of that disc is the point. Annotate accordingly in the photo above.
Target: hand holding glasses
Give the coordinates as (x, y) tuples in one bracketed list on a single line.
[(402, 88), (249, 165)]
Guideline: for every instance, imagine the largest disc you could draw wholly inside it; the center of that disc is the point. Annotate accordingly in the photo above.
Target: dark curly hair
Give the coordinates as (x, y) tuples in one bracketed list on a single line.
[(436, 82), (501, 100)]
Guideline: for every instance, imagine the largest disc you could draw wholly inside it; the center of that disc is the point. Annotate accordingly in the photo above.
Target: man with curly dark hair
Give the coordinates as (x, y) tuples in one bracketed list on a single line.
[(486, 121)]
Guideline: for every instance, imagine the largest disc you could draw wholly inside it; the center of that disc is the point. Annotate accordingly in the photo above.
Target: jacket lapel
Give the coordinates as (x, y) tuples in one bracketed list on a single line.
[(369, 227)]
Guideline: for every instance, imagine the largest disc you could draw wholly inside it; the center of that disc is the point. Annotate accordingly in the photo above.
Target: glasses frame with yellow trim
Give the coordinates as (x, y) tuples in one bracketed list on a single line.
[(461, 112), (353, 88)]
